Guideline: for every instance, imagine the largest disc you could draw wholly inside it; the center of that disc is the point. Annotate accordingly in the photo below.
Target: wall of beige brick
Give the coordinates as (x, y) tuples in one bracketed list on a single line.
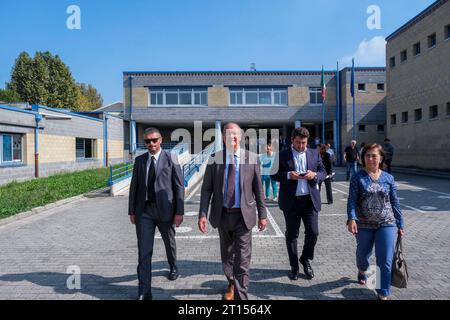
[(420, 82), (56, 148), (115, 149), (218, 96), (140, 97)]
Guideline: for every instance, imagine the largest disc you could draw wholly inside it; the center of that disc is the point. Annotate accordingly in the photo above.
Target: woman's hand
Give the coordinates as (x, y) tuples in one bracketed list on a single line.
[(401, 232), (352, 227)]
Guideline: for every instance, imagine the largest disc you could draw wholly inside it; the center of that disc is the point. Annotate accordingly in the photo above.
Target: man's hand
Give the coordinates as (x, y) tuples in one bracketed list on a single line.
[(294, 175), (262, 223), (310, 175), (352, 227), (177, 220), (133, 218), (202, 224), (401, 232)]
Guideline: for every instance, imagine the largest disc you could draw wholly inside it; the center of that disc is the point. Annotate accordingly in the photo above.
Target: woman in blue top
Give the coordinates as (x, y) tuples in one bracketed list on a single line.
[(374, 217), (267, 161)]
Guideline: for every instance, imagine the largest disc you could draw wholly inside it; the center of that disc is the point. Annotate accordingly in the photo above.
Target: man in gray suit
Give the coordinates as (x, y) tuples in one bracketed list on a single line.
[(232, 179), (156, 200)]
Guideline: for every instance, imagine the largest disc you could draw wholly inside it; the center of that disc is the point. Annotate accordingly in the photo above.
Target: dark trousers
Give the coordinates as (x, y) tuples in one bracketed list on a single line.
[(303, 209), (145, 230), (236, 252), (328, 190), (388, 165)]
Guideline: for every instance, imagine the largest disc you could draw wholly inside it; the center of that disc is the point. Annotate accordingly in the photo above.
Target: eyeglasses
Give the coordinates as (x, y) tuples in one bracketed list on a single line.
[(147, 141)]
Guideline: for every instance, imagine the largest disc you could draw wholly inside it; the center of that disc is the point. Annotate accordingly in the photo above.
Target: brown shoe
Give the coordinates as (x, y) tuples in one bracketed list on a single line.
[(229, 295)]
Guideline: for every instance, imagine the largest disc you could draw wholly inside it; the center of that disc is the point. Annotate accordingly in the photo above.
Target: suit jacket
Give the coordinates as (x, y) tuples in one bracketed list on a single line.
[(213, 186), (169, 187), (288, 188)]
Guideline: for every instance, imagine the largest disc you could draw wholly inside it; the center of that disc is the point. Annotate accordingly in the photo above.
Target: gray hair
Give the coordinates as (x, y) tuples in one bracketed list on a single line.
[(151, 130)]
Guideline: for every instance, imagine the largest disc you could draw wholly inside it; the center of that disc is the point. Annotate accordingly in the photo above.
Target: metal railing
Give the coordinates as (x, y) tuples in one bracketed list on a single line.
[(193, 166), (120, 172), (124, 171)]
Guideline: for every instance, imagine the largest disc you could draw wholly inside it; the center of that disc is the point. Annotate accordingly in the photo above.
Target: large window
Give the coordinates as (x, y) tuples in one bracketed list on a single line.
[(179, 96), (258, 96), (10, 148), (85, 148), (315, 95)]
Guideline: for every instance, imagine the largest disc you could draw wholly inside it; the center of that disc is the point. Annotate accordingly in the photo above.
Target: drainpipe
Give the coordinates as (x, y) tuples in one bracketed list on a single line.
[(132, 125), (38, 118), (105, 140)]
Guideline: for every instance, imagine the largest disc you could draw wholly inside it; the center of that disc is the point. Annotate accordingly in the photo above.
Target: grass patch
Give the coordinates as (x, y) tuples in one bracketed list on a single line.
[(18, 197)]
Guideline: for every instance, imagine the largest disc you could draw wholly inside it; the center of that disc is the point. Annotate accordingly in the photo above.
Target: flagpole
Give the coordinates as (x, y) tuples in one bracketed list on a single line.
[(337, 139), (323, 85), (353, 107)]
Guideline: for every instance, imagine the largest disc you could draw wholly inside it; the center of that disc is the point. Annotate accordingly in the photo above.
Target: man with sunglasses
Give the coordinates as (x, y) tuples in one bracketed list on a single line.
[(156, 200)]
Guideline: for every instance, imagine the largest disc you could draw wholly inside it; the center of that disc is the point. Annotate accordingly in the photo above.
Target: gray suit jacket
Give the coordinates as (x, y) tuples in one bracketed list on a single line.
[(251, 189), (169, 187)]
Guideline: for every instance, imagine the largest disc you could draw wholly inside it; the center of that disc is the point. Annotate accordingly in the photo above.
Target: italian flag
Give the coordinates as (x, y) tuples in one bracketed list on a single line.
[(323, 85)]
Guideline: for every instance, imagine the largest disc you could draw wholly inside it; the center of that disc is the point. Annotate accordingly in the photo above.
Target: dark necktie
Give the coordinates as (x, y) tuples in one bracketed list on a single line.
[(151, 181), (230, 184)]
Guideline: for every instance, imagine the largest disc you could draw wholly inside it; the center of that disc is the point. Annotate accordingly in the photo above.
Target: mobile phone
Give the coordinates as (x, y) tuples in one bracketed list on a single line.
[(302, 174)]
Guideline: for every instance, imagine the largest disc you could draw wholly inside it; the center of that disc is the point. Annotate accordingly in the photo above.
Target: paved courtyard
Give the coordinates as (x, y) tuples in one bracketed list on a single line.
[(95, 236)]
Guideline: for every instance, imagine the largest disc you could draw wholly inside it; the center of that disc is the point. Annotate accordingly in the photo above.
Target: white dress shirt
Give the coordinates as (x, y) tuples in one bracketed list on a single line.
[(149, 162), (300, 166)]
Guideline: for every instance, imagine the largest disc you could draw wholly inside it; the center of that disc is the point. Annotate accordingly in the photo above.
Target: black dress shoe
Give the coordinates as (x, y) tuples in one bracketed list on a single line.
[(309, 272), (293, 274), (147, 296), (173, 274)]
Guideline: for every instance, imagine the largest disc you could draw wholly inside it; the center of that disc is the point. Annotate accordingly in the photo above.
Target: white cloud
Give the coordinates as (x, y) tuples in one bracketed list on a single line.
[(370, 53)]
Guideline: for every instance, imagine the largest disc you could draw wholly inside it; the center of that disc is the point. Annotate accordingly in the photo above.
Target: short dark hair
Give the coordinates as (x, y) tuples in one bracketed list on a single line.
[(300, 132), (151, 130), (387, 140), (371, 146)]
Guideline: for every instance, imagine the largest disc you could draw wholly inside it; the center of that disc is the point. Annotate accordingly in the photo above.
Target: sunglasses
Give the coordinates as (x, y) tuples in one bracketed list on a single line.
[(147, 141)]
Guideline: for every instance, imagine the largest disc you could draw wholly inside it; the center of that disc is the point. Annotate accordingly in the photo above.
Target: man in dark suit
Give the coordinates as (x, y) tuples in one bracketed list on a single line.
[(300, 170), (232, 179), (156, 200)]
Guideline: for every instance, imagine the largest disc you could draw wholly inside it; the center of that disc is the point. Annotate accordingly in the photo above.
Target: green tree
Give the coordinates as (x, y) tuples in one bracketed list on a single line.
[(9, 96), (88, 97), (21, 76)]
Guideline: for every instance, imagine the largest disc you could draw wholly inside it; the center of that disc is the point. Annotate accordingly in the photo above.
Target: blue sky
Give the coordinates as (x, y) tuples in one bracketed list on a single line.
[(119, 36)]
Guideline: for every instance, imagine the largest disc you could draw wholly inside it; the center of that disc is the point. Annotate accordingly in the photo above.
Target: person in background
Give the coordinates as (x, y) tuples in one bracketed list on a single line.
[(267, 161), (326, 160), (351, 158), (389, 152), (374, 217)]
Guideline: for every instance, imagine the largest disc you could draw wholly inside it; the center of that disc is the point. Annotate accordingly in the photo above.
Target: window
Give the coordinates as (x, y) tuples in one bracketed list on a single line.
[(84, 148), (432, 40), (362, 128), (380, 87), (178, 96), (405, 117), (392, 62), (393, 119), (416, 49), (10, 148), (258, 96), (380, 128), (315, 95), (447, 32), (418, 114), (433, 112), (448, 109), (403, 56), (361, 87)]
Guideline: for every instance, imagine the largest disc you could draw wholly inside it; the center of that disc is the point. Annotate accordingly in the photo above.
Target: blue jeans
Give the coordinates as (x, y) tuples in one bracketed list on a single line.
[(351, 169), (267, 181), (384, 239)]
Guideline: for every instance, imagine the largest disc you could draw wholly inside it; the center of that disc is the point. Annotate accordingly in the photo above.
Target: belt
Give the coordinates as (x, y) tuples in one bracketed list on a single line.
[(306, 196), (231, 210)]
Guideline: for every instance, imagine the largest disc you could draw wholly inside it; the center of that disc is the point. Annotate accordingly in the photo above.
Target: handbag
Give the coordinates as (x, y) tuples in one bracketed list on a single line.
[(399, 268)]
